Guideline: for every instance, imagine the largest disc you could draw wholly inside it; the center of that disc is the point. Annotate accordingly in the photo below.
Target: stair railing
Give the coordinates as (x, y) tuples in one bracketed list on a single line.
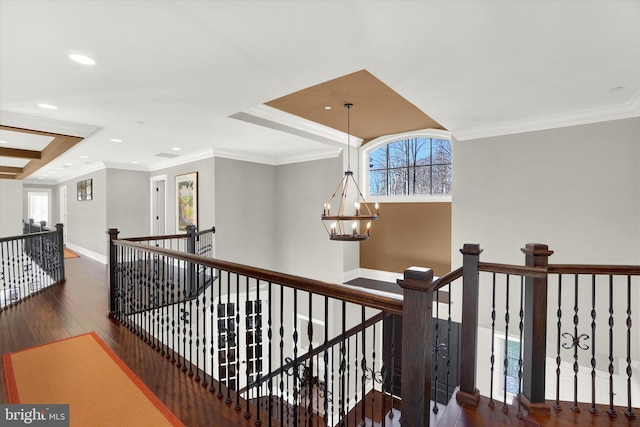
[(30, 263), (261, 340)]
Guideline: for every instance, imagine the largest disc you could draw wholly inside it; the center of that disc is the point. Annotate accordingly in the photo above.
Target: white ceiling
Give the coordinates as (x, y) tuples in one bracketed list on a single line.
[(171, 73)]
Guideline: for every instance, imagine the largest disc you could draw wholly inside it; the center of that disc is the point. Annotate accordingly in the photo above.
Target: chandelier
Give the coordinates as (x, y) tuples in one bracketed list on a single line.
[(344, 223)]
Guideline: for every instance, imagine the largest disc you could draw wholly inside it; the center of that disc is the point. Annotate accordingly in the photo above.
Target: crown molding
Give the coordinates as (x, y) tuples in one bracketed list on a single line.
[(23, 121), (273, 118), (306, 157), (616, 112)]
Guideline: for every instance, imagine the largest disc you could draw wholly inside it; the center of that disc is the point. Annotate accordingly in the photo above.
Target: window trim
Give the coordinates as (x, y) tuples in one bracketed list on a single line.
[(376, 143), (42, 190)]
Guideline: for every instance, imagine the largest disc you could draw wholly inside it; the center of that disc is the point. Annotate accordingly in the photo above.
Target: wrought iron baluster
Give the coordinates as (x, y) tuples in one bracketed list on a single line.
[(363, 364), (325, 402), (556, 405), (436, 353), (505, 407), (281, 330), (248, 303), (310, 384), (342, 369), (270, 343), (237, 343), (629, 411), (611, 411), (521, 327), (592, 408), (493, 333), (212, 318)]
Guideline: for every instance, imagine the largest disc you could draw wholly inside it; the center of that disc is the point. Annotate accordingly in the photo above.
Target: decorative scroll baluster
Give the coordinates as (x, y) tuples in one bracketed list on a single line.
[(212, 317), (363, 366), (237, 343), (493, 334), (575, 406), (629, 412), (392, 365), (270, 344), (258, 337), (611, 411), (521, 328), (556, 405), (308, 377), (435, 352), (325, 402), (282, 351), (592, 408), (197, 377), (342, 371), (174, 313), (248, 303), (204, 382), (505, 406)]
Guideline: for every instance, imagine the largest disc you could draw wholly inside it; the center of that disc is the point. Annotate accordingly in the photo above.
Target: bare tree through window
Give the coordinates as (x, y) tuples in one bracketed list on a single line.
[(412, 166)]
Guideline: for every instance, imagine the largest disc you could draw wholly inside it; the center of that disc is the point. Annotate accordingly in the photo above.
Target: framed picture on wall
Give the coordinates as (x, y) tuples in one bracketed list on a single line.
[(186, 200), (85, 190)]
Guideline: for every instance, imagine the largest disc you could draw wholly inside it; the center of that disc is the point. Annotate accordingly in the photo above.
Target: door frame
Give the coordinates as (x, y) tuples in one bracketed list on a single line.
[(152, 185)]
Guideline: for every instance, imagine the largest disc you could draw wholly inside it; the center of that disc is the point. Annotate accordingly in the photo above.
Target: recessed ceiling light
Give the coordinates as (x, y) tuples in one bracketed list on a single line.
[(116, 140), (327, 107), (135, 162), (616, 89), (48, 106), (81, 59), (176, 149), (2, 141), (84, 157)]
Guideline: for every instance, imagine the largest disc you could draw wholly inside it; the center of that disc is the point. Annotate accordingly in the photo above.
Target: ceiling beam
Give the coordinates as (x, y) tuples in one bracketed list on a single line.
[(7, 176), (22, 154), (10, 169)]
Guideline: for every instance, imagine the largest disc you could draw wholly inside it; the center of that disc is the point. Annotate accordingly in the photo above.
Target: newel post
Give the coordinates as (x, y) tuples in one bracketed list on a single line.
[(468, 392), (60, 242), (416, 345), (113, 235), (535, 330)]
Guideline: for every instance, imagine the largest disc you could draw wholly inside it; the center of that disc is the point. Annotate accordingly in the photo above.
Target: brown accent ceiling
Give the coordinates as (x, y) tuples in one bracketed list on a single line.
[(377, 109), (56, 147)]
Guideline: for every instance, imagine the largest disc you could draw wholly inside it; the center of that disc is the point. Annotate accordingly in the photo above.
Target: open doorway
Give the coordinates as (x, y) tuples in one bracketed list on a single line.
[(158, 205)]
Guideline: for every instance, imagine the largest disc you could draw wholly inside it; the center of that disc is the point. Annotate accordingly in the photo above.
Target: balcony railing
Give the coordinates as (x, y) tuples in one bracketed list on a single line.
[(30, 263), (294, 351)]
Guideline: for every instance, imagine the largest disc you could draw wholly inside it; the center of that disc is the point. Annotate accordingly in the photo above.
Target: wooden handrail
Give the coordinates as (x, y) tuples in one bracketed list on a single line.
[(626, 270), (447, 279), (360, 296), (520, 270)]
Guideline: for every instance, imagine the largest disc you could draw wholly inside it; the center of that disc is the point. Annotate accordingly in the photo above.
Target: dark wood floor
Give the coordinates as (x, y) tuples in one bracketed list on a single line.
[(80, 306)]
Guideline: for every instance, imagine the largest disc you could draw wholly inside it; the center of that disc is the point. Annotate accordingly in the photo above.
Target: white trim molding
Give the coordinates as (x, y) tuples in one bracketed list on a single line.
[(23, 121), (596, 115)]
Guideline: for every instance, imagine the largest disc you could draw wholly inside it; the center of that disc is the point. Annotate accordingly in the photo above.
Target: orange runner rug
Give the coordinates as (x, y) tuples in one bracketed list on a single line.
[(69, 254), (85, 373)]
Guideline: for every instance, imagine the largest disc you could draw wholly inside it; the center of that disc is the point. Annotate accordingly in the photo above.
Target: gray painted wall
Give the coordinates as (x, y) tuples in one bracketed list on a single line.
[(245, 212), (302, 246), (576, 189), (128, 207), (87, 219), (11, 200)]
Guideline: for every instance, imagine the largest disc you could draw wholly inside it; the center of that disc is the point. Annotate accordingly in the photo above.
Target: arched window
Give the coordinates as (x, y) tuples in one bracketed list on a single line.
[(408, 166)]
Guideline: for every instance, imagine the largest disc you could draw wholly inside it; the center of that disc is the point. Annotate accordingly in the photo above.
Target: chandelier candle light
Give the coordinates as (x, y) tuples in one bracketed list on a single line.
[(338, 228)]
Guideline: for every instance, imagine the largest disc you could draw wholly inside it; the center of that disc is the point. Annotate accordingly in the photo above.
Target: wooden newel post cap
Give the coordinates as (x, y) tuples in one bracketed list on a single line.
[(416, 278), (537, 249)]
